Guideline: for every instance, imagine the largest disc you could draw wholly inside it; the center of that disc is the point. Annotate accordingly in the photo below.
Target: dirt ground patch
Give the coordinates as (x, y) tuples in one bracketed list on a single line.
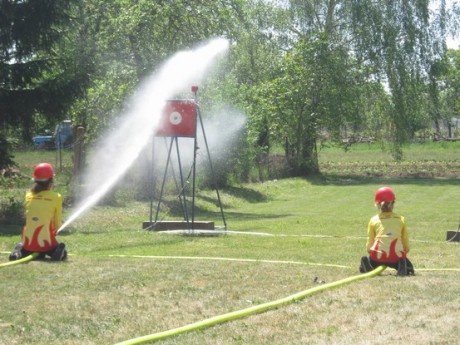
[(394, 169)]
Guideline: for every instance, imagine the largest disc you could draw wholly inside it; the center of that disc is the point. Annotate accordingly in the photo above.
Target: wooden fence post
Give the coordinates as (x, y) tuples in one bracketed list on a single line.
[(78, 160)]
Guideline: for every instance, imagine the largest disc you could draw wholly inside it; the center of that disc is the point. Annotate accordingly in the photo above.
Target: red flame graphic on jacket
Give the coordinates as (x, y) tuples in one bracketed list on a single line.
[(41, 241), (377, 254)]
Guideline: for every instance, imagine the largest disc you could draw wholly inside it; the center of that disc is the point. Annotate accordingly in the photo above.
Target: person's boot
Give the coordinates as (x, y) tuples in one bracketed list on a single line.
[(365, 265), (59, 253), (402, 267), (16, 254), (410, 268)]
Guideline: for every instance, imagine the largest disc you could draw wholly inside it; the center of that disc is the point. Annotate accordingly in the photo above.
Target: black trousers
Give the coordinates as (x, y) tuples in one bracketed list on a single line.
[(394, 265), (23, 253)]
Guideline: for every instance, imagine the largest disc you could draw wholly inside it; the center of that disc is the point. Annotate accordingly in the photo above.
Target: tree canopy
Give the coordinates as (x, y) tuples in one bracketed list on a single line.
[(301, 71), (38, 68)]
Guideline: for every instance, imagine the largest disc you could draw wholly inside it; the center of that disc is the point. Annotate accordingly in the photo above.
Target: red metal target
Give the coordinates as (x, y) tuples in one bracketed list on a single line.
[(178, 119)]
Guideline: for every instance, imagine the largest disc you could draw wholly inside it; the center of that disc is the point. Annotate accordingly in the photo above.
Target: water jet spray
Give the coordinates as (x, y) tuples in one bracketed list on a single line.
[(110, 162)]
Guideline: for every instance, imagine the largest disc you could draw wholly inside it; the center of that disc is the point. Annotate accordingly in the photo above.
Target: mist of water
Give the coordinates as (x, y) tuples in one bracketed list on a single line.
[(222, 127), (122, 146)]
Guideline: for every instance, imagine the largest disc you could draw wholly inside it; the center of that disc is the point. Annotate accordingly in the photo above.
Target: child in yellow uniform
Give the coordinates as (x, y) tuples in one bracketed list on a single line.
[(43, 218), (387, 242)]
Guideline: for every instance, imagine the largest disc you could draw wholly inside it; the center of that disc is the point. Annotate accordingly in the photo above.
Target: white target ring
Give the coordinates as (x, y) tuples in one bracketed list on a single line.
[(175, 118)]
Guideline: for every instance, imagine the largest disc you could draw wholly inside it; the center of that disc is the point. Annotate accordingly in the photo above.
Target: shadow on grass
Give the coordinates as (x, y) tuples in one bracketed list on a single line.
[(257, 215), (356, 180), (247, 194), (215, 201), (175, 209)]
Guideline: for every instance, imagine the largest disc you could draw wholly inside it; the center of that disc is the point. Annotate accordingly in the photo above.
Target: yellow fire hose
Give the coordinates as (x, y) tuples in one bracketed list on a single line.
[(20, 261), (249, 311)]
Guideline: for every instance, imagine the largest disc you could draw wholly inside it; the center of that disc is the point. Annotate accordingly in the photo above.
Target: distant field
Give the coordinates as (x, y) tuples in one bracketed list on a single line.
[(376, 152), (329, 155), (434, 159)]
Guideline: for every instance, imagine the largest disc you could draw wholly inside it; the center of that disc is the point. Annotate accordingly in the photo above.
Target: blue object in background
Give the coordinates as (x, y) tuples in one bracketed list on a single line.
[(62, 137)]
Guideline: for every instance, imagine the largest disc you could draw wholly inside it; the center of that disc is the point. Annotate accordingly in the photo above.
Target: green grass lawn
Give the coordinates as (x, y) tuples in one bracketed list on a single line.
[(122, 282)]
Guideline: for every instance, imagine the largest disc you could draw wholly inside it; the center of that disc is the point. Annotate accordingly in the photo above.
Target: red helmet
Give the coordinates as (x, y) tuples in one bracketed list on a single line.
[(43, 172), (384, 194)]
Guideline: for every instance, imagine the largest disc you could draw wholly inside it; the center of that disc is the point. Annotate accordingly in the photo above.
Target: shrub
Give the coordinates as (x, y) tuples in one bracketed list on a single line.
[(6, 158), (11, 209)]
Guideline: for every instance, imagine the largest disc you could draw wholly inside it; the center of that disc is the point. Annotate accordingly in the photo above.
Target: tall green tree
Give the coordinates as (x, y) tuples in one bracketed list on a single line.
[(450, 92), (316, 89), (38, 77), (340, 49)]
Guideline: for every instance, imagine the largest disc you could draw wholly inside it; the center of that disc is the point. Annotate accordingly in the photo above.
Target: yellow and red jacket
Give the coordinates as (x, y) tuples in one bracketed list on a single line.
[(43, 219), (387, 237)]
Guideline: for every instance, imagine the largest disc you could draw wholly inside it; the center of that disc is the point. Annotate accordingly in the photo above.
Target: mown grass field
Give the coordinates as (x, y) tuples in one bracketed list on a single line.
[(122, 282)]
